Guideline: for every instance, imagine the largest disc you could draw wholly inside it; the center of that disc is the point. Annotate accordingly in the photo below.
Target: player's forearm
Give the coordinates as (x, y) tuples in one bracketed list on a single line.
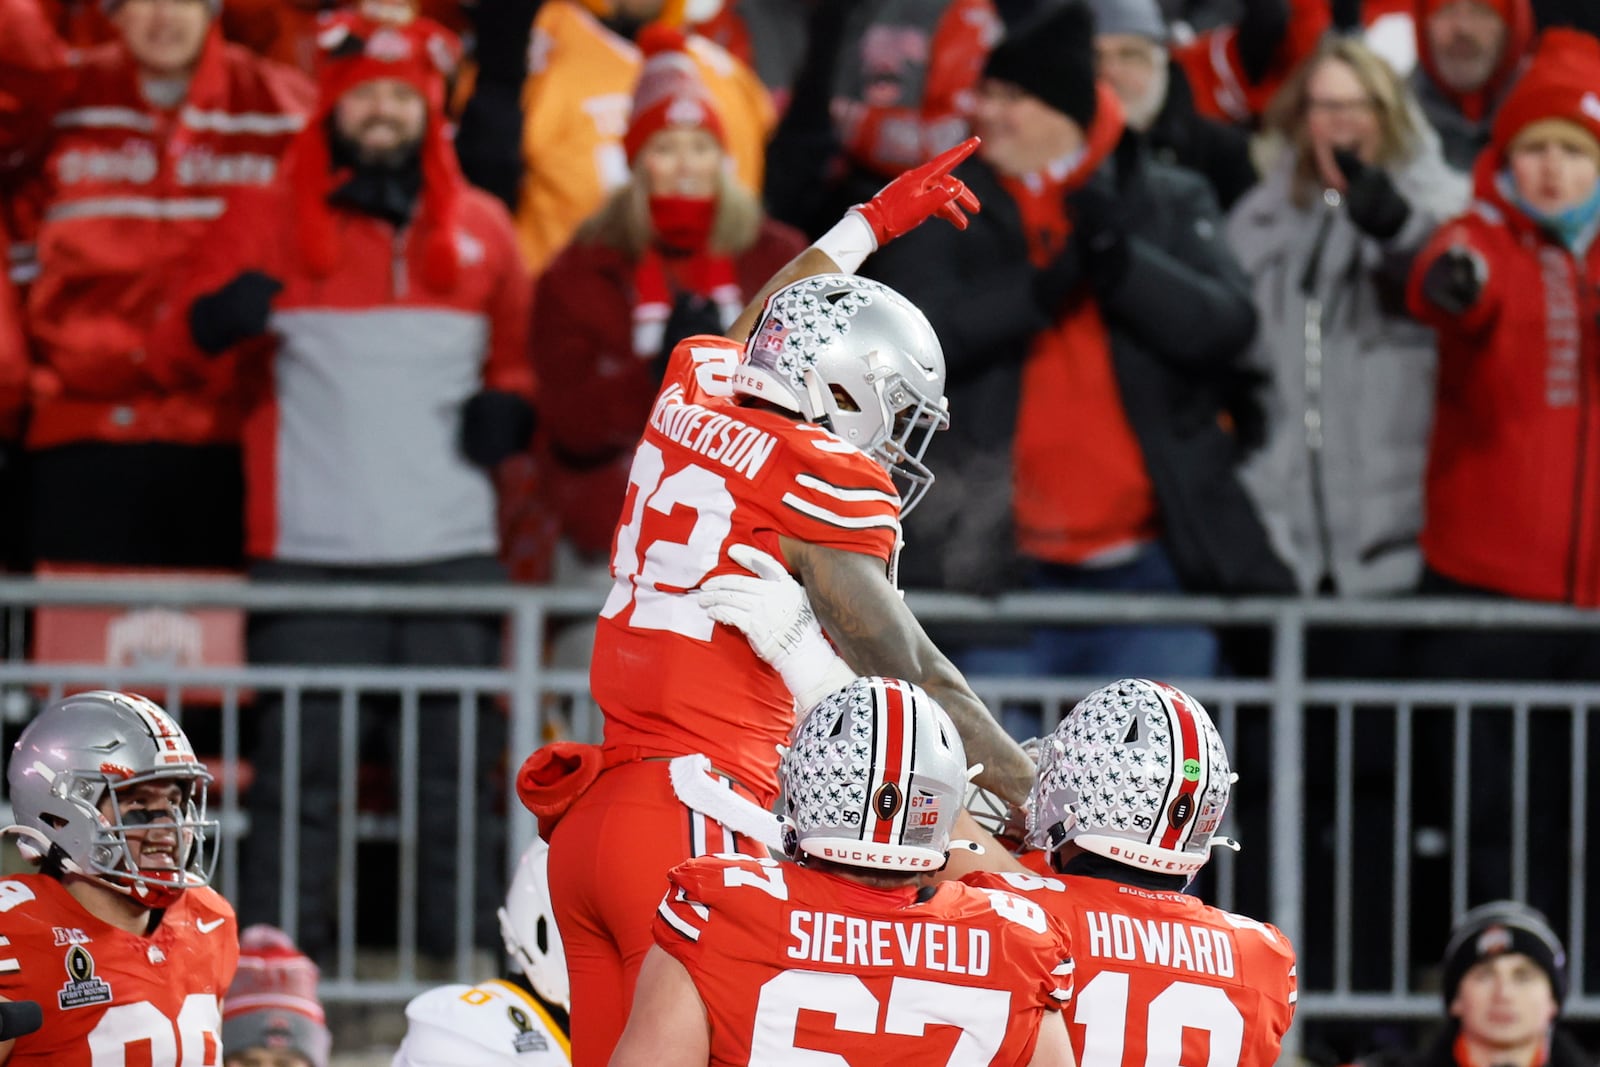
[(877, 634), (1007, 770)]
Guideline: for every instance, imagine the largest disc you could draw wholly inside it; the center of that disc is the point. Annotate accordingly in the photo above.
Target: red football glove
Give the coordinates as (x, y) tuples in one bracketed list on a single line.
[(920, 193)]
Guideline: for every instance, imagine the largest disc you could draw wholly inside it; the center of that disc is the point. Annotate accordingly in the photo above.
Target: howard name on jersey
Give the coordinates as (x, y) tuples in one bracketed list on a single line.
[(787, 958), (710, 474), (1160, 973), (494, 1016), (109, 996)]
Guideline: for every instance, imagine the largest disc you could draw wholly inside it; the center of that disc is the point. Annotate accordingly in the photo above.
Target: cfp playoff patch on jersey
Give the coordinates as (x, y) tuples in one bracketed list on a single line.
[(83, 989), (528, 1039)]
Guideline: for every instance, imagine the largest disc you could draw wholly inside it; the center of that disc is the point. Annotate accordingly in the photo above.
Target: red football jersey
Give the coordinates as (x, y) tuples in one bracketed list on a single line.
[(787, 958), (710, 474), (1163, 978), (110, 996)]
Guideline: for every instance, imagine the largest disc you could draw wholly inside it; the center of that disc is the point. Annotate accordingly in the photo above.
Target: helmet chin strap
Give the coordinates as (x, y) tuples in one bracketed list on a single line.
[(31, 843), (819, 398), (36, 846)]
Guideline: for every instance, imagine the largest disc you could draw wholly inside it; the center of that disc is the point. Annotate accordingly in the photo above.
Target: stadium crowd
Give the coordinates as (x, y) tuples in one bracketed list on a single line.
[(1272, 297)]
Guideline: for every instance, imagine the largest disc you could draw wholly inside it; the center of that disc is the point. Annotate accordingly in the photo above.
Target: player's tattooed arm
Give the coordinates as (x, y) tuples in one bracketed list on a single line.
[(877, 634)]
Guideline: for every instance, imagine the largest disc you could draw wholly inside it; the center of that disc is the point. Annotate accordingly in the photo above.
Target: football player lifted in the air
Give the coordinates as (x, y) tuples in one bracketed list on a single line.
[(801, 433)]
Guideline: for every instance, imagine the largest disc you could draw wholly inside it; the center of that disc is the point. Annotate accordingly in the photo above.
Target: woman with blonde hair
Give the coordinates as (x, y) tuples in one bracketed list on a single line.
[(1347, 377), (1327, 238), (676, 251)]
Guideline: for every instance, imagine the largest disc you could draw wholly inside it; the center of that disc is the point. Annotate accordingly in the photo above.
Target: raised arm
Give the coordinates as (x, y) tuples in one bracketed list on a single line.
[(899, 207)]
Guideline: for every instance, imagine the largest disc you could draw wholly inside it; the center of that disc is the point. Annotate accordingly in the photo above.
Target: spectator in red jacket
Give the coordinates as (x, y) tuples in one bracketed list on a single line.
[(379, 310), (677, 251), (152, 137), (1515, 460), (1513, 480)]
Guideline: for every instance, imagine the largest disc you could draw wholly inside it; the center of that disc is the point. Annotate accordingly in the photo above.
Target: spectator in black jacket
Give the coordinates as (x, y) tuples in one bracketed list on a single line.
[(1091, 319), (1130, 51)]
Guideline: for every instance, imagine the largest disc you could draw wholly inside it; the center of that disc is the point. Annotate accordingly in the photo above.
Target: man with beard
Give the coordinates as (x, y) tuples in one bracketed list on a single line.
[(377, 310), (1469, 51), (1131, 56)]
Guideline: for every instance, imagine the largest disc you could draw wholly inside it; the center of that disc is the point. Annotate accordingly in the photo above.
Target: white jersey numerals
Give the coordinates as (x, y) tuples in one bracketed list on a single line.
[(651, 568), (914, 1005), (1102, 1010), (769, 879), (12, 894), (191, 1040)]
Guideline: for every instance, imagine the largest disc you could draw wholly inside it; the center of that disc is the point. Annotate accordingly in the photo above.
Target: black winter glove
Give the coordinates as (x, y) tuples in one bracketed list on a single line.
[(489, 141), (1454, 281), (495, 426), (1376, 206), (1100, 227), (1058, 279), (236, 312), (691, 314)]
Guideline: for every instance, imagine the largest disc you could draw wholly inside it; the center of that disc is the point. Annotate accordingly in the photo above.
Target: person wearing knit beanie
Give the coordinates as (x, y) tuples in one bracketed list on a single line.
[(1505, 975), (1504, 979), (1547, 139), (670, 94), (1131, 56), (378, 142), (271, 1016), (1051, 57), (680, 216)]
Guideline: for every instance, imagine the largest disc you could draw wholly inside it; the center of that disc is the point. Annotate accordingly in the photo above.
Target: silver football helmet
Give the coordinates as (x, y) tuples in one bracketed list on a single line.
[(1137, 773), (528, 927), (84, 749), (875, 778), (858, 358)]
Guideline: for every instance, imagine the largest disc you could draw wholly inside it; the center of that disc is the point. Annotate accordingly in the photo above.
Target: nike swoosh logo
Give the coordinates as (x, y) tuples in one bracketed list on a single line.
[(207, 927)]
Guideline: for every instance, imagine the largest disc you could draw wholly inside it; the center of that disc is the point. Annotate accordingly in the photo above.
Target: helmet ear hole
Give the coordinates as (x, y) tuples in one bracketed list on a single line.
[(843, 400)]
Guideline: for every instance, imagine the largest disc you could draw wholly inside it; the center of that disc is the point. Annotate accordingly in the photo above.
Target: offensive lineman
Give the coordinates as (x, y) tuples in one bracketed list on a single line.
[(845, 953), (1131, 787)]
